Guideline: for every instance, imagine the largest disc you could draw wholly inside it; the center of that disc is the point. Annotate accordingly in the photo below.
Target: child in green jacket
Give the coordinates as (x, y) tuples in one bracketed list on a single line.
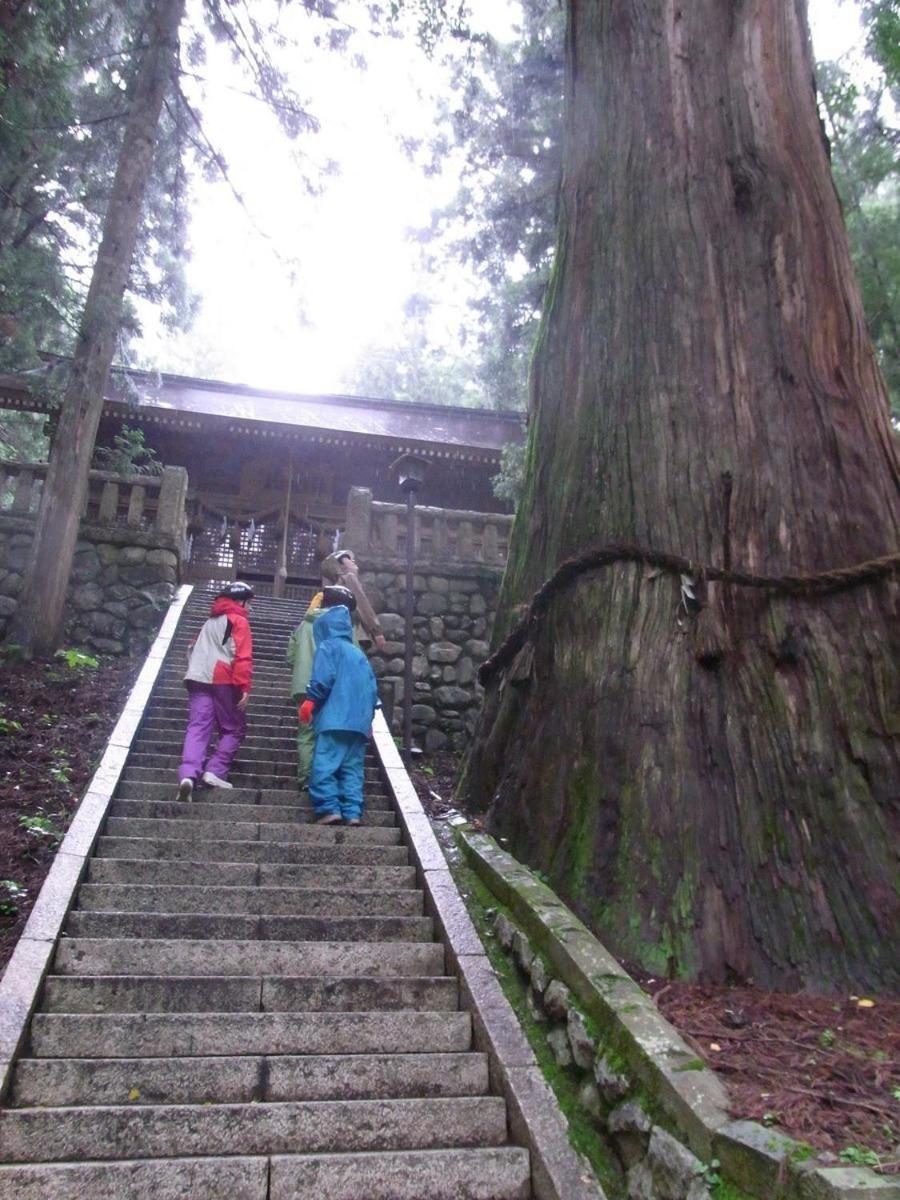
[(300, 653)]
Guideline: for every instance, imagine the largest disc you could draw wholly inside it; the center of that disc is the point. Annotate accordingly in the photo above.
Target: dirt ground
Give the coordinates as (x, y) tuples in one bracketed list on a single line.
[(825, 1070), (54, 723)]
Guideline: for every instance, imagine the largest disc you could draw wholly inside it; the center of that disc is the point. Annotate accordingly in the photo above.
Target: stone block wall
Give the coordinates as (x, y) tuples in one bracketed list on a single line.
[(454, 613), (121, 585)]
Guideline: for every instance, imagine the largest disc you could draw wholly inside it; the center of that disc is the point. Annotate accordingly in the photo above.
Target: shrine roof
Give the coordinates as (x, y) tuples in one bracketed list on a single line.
[(184, 402)]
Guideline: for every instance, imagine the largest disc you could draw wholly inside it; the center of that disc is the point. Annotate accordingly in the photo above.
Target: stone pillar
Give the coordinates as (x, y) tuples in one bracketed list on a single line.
[(440, 539), (136, 506), (22, 494), (358, 530), (490, 547), (389, 533), (170, 506), (109, 503), (465, 545)]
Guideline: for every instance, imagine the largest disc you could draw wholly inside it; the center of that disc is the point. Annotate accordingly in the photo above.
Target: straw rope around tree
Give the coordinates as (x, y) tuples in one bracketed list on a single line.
[(821, 583)]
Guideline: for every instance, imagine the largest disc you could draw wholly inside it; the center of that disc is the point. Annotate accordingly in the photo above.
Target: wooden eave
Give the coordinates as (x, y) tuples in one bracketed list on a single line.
[(195, 406)]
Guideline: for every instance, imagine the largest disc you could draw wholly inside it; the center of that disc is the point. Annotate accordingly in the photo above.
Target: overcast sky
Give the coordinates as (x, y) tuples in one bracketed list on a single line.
[(294, 292)]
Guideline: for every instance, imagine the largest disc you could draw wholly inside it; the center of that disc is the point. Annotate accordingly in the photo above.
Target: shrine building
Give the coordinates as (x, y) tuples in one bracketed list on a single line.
[(270, 473), (262, 485)]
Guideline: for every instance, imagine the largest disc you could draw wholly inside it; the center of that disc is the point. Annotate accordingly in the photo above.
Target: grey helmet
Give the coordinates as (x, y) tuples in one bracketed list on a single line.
[(239, 591), (335, 594)]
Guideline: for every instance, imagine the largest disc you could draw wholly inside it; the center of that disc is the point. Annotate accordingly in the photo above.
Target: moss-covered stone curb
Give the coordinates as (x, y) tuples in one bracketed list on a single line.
[(689, 1097), (535, 1119)]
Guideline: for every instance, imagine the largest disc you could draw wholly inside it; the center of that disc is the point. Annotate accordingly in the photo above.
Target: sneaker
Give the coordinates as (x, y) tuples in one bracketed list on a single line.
[(185, 789), (329, 819), (354, 821), (214, 781)]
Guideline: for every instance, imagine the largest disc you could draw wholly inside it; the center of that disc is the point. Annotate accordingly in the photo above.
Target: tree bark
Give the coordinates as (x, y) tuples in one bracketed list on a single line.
[(37, 624), (716, 795)]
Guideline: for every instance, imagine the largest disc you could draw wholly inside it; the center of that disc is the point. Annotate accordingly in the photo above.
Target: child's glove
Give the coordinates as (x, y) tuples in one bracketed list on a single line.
[(305, 712)]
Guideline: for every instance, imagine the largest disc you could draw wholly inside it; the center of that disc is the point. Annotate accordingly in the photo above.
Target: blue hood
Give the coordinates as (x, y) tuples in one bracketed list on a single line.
[(333, 623), (342, 683)]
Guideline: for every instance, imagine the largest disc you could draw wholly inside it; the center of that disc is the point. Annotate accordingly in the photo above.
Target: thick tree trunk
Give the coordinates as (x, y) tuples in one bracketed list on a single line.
[(38, 620), (718, 800)]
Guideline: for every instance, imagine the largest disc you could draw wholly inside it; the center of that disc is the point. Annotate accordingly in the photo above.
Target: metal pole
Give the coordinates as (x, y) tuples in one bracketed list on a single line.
[(408, 614)]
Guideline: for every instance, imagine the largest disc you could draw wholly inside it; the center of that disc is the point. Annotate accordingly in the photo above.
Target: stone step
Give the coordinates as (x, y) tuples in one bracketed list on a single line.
[(264, 1128), (200, 810), (212, 926), (269, 648), (238, 779), (268, 667), (244, 874), (267, 676), (264, 764), (257, 750), (175, 1035), (162, 957), (187, 829), (247, 1004), (161, 719), (157, 742), (283, 993), (238, 1178), (165, 713), (64, 1134), (306, 852), (266, 699), (486, 1173), (375, 796), (260, 760), (270, 638), (268, 659), (490, 1173), (271, 688), (245, 1079), (276, 627), (166, 789), (270, 901), (174, 697)]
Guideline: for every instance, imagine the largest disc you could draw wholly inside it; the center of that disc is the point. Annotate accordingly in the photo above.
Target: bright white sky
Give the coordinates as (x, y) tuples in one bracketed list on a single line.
[(355, 265)]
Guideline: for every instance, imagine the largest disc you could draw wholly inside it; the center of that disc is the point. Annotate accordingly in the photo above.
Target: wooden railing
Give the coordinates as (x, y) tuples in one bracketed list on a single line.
[(151, 503), (378, 529)]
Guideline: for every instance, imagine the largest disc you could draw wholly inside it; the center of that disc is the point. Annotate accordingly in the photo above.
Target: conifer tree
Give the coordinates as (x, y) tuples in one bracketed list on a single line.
[(715, 793)]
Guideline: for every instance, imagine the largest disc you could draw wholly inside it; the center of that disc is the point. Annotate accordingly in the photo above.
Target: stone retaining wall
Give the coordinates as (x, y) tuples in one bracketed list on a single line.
[(454, 613), (664, 1110), (655, 1163), (121, 585)]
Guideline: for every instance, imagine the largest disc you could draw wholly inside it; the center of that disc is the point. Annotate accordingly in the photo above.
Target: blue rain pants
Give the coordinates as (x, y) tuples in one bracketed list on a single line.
[(338, 771)]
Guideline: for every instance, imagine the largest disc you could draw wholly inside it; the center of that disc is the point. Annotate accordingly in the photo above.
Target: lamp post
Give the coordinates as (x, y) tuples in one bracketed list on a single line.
[(409, 471)]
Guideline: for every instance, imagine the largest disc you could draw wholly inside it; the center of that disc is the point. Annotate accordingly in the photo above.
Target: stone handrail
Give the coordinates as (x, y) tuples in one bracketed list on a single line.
[(378, 529), (151, 503)]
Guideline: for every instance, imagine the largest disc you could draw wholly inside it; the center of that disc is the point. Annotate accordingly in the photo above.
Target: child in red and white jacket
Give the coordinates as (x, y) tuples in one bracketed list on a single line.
[(218, 679)]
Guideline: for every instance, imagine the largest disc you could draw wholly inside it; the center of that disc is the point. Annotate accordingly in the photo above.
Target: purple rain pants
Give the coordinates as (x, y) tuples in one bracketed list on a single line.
[(211, 707)]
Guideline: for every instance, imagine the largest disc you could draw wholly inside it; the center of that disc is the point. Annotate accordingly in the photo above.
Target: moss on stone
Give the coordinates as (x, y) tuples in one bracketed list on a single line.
[(724, 1190), (583, 1133)]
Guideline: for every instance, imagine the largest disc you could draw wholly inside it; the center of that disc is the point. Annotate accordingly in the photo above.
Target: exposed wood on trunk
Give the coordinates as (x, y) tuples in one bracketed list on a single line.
[(38, 620), (720, 805)]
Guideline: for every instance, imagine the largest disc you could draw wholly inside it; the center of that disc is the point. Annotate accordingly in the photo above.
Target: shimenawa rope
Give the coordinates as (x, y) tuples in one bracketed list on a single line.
[(822, 583)]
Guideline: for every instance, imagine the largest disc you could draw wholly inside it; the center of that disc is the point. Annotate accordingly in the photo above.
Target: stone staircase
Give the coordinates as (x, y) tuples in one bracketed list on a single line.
[(246, 1005)]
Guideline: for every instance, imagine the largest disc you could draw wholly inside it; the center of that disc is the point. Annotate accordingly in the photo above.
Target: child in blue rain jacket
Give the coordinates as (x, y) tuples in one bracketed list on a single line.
[(342, 696)]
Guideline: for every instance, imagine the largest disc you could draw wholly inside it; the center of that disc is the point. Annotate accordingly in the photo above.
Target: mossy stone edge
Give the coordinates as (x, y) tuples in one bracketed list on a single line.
[(766, 1163)]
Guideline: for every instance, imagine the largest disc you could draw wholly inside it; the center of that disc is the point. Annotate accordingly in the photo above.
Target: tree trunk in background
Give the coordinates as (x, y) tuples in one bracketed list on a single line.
[(717, 800), (37, 624)]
